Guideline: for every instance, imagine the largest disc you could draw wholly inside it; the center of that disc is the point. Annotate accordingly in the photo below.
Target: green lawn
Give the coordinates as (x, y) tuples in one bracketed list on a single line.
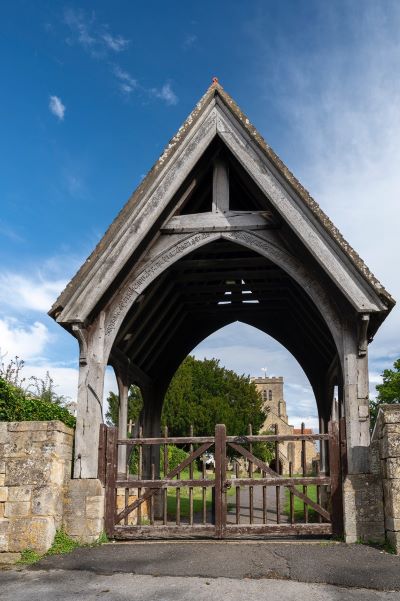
[(197, 496), (299, 505)]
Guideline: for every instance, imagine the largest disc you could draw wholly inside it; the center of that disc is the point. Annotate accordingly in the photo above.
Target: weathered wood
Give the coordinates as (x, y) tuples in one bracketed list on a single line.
[(111, 471), (243, 531), (304, 470), (278, 471), (219, 222), (281, 481), (220, 191), (170, 475), (251, 490), (173, 531), (220, 450), (178, 440), (336, 484), (191, 477), (101, 474), (266, 467)]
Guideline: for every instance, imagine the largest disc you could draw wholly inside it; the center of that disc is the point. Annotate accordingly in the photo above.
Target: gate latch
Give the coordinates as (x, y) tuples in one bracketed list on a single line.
[(227, 484)]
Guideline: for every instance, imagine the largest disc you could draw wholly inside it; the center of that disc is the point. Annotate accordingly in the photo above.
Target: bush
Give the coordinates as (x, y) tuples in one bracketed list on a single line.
[(175, 457), (17, 406)]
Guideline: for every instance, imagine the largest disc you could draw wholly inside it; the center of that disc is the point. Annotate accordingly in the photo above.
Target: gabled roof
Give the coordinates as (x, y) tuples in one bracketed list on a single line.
[(215, 91)]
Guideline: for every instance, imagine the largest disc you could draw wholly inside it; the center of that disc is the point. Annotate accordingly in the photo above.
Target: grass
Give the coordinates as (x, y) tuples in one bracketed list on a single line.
[(62, 544), (299, 504), (197, 496)]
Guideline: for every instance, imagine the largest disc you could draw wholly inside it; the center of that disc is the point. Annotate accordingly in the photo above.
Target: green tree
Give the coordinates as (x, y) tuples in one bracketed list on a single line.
[(135, 404), (388, 391), (202, 394)]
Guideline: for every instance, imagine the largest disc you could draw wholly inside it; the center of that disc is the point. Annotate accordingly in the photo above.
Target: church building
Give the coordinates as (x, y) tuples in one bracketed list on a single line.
[(271, 390)]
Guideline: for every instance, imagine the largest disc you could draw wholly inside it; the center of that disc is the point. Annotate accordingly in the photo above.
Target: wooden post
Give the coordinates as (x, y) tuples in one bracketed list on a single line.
[(111, 474), (220, 465), (336, 484)]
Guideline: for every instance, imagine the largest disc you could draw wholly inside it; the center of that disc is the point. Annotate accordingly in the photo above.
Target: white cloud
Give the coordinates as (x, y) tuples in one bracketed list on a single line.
[(189, 41), (25, 341), (57, 107), (166, 93), (94, 38), (127, 83), (23, 292), (341, 106), (116, 43)]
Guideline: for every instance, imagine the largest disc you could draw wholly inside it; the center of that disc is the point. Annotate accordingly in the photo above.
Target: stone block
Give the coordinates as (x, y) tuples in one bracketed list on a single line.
[(390, 442), (3, 432), (4, 535), (363, 508), (390, 414), (2, 505), (25, 471), (47, 500), (17, 509), (391, 489), (36, 533), (2, 466), (2, 479), (9, 559), (19, 493), (95, 507), (392, 468), (3, 494)]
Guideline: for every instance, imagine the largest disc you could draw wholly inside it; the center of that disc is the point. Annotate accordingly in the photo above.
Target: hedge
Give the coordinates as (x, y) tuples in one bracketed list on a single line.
[(17, 406)]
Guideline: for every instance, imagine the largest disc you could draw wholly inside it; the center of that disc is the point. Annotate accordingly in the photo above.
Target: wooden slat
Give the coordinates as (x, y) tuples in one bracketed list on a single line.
[(237, 491), (101, 472), (291, 499), (167, 440), (191, 486), (204, 494), (266, 467), (177, 440), (251, 490), (140, 474), (220, 450), (278, 471), (282, 481), (111, 471), (233, 530), (165, 498), (170, 475), (304, 470), (274, 437), (161, 532)]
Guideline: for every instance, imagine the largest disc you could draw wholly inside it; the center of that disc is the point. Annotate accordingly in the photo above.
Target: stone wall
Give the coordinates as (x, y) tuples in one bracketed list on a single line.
[(386, 442), (35, 465), (37, 495)]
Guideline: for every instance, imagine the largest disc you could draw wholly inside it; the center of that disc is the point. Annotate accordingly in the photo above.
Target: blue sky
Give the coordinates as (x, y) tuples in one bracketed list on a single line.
[(92, 91)]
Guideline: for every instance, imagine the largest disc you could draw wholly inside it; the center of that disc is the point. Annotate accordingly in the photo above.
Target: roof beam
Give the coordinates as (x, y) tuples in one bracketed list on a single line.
[(219, 222)]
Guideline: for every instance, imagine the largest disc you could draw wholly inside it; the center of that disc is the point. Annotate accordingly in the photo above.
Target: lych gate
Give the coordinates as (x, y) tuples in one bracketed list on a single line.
[(220, 231)]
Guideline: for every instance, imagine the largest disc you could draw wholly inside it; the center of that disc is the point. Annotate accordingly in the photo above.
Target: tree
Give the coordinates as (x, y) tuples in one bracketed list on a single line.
[(135, 404), (388, 391), (202, 394)]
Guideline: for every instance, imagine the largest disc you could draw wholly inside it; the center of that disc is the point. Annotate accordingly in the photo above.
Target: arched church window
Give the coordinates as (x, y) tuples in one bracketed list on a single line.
[(270, 395)]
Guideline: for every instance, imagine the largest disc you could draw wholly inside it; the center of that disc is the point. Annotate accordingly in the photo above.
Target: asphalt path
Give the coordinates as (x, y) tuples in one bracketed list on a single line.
[(337, 564)]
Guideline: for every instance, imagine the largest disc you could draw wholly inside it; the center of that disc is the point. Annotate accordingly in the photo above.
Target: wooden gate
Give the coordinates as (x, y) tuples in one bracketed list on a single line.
[(240, 497)]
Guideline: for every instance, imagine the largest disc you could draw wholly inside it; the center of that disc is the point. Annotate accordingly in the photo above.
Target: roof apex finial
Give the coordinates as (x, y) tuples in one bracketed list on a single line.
[(215, 81)]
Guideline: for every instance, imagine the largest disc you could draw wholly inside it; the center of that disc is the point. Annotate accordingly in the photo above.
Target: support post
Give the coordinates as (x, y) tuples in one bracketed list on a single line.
[(122, 375), (356, 404), (90, 399)]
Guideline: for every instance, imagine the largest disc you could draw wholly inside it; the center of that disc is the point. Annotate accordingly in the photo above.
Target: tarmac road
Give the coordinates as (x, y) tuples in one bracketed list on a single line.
[(197, 570)]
